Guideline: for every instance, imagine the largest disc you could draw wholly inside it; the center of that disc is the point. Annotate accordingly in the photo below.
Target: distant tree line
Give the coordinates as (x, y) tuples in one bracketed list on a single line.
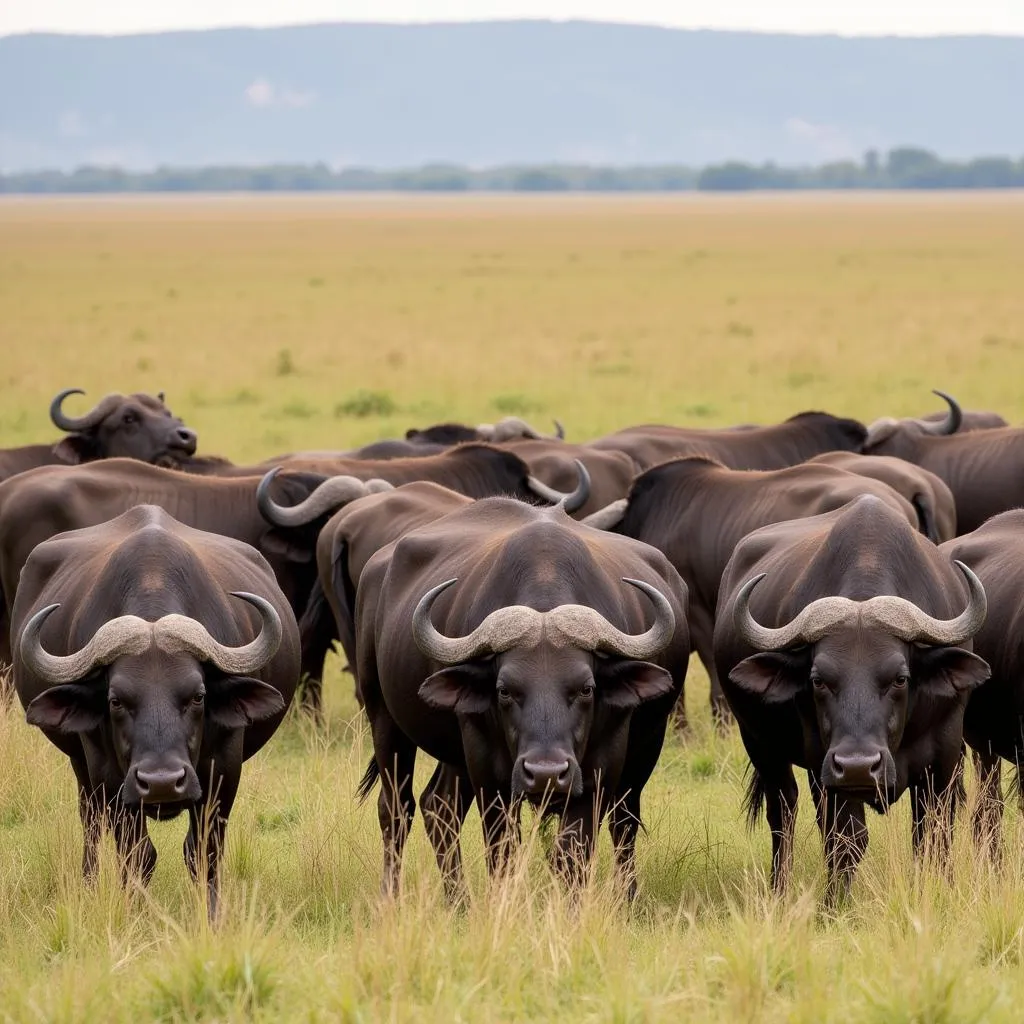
[(902, 168)]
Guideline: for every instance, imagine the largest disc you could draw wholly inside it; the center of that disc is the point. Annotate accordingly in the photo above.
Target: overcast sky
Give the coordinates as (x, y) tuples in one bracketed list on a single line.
[(851, 17)]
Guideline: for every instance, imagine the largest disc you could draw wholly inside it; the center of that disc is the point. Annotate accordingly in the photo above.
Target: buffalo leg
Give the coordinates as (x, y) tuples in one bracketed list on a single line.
[(989, 816), (208, 820), (134, 846), (444, 804), (624, 823), (933, 808), (396, 805), (312, 694), (781, 796), (91, 805), (577, 835), (316, 639), (499, 816), (844, 835)]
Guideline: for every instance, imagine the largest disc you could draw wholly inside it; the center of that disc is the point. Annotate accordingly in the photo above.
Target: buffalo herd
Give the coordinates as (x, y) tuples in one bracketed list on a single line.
[(523, 610)]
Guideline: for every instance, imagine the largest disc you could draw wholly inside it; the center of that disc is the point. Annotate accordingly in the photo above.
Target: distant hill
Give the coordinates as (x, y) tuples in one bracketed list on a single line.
[(497, 93)]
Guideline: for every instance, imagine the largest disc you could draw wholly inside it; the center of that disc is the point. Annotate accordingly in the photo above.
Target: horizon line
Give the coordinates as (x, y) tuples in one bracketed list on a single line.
[(456, 22)]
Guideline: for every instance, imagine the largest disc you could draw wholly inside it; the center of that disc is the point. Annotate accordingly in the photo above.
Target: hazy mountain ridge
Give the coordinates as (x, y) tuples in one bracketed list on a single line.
[(499, 92)]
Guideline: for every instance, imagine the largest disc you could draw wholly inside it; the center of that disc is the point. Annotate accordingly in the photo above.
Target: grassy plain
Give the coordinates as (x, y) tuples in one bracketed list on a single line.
[(285, 323)]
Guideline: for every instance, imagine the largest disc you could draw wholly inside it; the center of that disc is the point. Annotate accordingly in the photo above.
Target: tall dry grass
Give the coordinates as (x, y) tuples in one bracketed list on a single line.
[(281, 324)]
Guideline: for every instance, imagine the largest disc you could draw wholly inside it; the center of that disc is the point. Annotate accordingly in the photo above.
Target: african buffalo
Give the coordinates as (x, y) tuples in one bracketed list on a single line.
[(984, 469), (933, 500), (158, 658), (134, 426), (536, 659), (696, 511), (838, 643), (953, 421), (994, 720), (799, 438)]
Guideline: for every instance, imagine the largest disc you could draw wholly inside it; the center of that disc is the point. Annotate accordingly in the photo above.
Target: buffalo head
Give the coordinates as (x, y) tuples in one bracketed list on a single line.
[(153, 688), (863, 665), (543, 677), (122, 426), (897, 437)]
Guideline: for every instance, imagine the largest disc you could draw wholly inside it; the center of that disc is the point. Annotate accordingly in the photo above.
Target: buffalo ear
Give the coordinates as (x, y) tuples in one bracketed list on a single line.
[(237, 701), (949, 671), (626, 684), (71, 707), (74, 448), (775, 677), (459, 688)]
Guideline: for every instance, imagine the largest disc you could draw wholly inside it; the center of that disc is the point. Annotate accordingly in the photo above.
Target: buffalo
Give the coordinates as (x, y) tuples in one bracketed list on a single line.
[(134, 426), (982, 468), (536, 659), (839, 641), (158, 658), (953, 421)]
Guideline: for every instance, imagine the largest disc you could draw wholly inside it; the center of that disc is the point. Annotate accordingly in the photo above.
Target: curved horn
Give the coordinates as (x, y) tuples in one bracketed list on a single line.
[(485, 431), (896, 615), (334, 492), (951, 424), (609, 517), (501, 630), (559, 431), (578, 498), (809, 625), (587, 628), (904, 619), (179, 634), (91, 419), (571, 502), (127, 634)]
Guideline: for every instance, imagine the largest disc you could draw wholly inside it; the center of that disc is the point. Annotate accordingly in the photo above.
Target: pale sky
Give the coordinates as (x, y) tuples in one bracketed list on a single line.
[(848, 17)]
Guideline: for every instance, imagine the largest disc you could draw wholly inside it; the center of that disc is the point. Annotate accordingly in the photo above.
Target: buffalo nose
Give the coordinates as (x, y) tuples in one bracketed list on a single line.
[(858, 770), (186, 438), (159, 786), (541, 775)]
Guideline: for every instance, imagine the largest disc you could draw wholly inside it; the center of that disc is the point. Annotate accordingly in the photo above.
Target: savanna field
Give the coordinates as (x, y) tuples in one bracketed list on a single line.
[(279, 324)]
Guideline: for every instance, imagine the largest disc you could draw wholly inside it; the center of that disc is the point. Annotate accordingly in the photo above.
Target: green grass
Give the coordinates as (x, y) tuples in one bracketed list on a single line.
[(599, 312)]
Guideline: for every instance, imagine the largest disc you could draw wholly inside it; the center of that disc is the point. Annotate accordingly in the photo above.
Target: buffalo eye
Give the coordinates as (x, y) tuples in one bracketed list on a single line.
[(129, 419), (586, 692), (115, 703), (900, 682), (198, 700), (818, 683), (504, 694)]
